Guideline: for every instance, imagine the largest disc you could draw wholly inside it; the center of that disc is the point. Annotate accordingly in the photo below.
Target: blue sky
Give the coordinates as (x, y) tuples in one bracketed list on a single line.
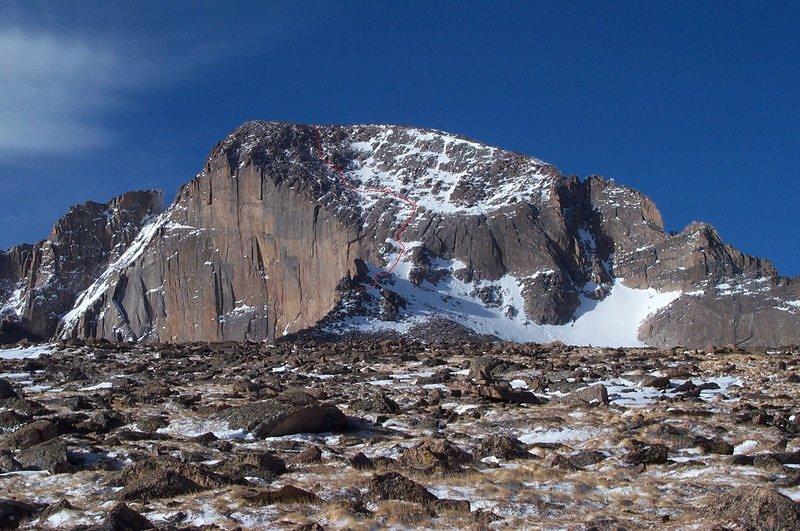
[(695, 104)]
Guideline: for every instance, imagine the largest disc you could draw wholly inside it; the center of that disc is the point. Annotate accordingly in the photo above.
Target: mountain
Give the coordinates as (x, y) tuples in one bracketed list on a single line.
[(40, 283), (387, 229)]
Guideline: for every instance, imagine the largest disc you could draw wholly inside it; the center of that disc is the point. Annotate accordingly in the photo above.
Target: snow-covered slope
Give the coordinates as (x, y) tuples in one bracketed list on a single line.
[(443, 173), (613, 321)]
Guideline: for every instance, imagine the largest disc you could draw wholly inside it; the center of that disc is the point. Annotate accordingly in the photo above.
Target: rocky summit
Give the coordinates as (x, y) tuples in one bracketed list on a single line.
[(397, 434), (356, 230)]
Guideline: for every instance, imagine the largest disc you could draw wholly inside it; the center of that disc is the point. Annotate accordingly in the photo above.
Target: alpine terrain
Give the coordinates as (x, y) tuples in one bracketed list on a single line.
[(377, 229)]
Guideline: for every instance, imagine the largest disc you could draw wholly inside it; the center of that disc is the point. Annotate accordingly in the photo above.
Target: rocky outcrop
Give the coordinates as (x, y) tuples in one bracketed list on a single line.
[(248, 250), (354, 229), (40, 283)]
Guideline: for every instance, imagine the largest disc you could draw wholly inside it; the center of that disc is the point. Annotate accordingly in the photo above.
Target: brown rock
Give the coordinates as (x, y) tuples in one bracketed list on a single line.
[(502, 447), (651, 454), (287, 494), (13, 513), (393, 486), (362, 462), (30, 434), (756, 508), (262, 465), (273, 418), (594, 395), (435, 455), (123, 518), (163, 477), (312, 454)]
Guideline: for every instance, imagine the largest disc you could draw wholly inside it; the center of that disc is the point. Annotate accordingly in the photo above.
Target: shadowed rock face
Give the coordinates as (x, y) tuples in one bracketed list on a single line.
[(269, 239), (39, 283)]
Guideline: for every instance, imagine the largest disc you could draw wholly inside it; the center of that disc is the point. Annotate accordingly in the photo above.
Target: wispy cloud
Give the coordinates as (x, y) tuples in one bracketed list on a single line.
[(54, 89), (57, 90)]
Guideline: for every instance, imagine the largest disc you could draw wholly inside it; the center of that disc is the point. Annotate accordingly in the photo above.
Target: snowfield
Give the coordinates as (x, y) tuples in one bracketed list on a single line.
[(611, 322)]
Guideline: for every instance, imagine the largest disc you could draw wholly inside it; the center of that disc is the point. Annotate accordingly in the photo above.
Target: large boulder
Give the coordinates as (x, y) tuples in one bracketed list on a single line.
[(51, 456), (273, 418)]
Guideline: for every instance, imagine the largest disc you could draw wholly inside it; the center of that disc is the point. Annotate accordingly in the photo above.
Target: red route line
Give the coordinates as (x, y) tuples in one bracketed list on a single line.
[(372, 189)]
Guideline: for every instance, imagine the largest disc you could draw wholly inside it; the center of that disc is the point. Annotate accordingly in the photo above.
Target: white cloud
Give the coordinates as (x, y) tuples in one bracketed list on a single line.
[(54, 91)]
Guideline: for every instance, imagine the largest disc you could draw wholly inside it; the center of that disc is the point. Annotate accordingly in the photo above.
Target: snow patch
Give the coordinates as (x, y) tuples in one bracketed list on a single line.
[(745, 447), (103, 385), (190, 427), (545, 436), (24, 353)]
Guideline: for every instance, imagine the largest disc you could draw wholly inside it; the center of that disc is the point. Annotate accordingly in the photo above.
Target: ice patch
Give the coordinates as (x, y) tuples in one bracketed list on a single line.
[(745, 447)]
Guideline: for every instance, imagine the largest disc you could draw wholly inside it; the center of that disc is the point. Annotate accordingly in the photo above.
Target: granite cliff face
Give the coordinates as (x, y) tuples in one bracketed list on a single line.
[(385, 228)]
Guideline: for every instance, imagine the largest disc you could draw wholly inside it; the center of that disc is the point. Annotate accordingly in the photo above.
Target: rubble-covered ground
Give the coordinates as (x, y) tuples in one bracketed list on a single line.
[(397, 434)]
